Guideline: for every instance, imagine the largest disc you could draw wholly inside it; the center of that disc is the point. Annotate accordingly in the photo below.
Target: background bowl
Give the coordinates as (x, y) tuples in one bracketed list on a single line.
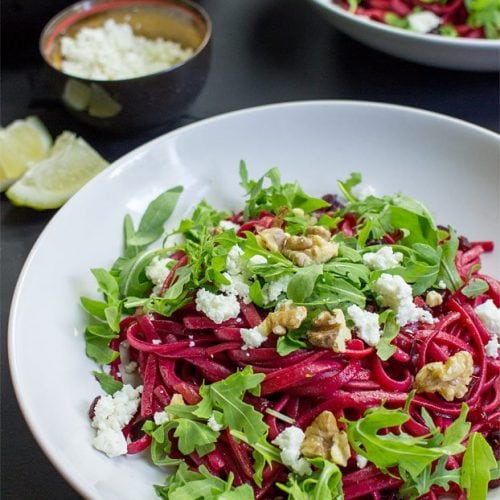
[(434, 50), (122, 105)]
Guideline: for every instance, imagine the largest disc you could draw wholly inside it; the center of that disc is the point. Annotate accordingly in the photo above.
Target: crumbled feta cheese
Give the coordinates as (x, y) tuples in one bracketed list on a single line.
[(366, 323), (160, 417), (257, 260), (491, 347), (217, 307), (384, 258), (489, 315), (111, 442), (273, 289), (233, 260), (213, 424), (362, 191), (111, 414), (397, 295), (252, 338), (227, 225), (192, 343), (423, 22), (114, 52), (361, 461), (290, 441), (156, 341), (441, 284), (157, 271), (237, 286)]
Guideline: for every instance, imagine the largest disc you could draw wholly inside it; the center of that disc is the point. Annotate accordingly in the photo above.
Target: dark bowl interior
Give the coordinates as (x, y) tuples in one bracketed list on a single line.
[(122, 105)]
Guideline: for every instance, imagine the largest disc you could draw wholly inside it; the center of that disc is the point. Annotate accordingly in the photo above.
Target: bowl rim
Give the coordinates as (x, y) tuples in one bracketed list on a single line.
[(431, 38), (86, 8)]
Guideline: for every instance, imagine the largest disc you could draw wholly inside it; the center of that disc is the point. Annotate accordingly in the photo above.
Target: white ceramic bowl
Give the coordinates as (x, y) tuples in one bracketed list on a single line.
[(434, 50), (432, 157)]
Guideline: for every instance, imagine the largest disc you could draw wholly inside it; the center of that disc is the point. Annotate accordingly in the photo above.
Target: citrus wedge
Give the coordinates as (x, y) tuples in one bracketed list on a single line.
[(22, 143), (52, 181)]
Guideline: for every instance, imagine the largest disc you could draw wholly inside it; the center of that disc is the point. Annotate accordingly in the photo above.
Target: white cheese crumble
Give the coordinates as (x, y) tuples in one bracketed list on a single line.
[(257, 260), (111, 414), (290, 441), (160, 417), (362, 191), (233, 260), (237, 286), (361, 461), (157, 271), (213, 424), (252, 338), (366, 323), (217, 307), (227, 225), (423, 22), (489, 315), (114, 52), (384, 258), (273, 289), (397, 295), (491, 347)]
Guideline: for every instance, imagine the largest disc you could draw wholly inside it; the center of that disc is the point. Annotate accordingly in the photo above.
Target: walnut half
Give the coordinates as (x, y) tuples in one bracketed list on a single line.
[(314, 247), (450, 379), (285, 317), (272, 239), (323, 439), (329, 329)]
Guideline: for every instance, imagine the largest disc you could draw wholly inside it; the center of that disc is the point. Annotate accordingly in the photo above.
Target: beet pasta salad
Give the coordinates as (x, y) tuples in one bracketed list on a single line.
[(301, 347)]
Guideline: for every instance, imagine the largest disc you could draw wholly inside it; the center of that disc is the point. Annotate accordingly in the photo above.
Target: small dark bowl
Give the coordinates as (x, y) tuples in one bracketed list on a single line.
[(145, 101)]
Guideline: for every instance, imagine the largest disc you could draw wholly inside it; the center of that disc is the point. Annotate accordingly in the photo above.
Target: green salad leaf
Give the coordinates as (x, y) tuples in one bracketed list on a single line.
[(325, 483), (477, 464), (202, 485)]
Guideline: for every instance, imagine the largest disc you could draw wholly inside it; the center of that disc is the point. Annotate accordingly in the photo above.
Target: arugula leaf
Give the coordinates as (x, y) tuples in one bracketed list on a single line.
[(414, 488), (190, 485), (346, 186), (384, 347), (475, 287), (448, 269), (98, 348), (194, 435), (476, 466), (485, 14), (151, 225), (276, 196), (302, 283), (108, 383), (263, 453), (412, 454), (292, 341), (325, 483), (332, 291), (226, 396)]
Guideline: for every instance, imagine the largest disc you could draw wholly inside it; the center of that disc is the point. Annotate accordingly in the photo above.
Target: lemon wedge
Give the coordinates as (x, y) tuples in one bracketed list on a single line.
[(22, 143), (52, 181)]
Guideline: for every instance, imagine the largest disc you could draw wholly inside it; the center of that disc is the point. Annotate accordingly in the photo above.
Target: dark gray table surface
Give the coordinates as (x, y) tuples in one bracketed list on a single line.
[(264, 51)]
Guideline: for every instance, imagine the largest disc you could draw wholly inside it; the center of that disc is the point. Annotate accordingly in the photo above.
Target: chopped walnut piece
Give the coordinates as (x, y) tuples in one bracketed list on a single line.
[(313, 248), (450, 379), (329, 330), (433, 298), (272, 239), (285, 317), (323, 439)]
